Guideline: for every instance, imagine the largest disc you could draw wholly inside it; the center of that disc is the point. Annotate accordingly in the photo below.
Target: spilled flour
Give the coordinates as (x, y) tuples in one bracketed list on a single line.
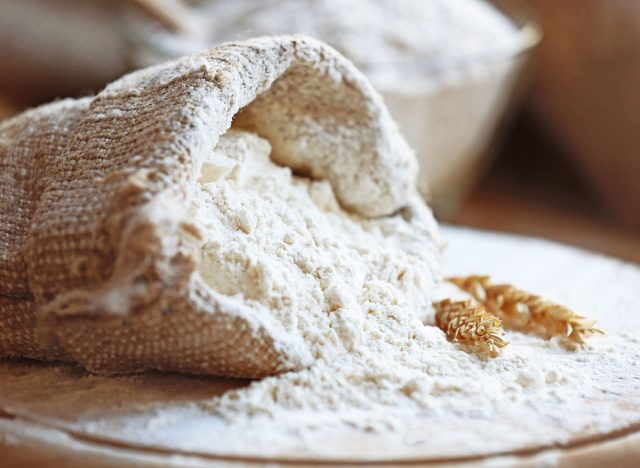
[(402, 397), (354, 295), (356, 291)]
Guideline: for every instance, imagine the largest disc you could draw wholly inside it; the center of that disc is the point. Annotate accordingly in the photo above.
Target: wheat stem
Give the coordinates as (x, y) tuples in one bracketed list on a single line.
[(523, 311)]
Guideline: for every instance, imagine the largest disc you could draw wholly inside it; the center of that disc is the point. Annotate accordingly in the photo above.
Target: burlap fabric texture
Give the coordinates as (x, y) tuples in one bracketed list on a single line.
[(95, 262)]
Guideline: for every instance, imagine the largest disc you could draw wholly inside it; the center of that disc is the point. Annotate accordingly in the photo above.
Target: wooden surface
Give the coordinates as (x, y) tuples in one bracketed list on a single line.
[(37, 426)]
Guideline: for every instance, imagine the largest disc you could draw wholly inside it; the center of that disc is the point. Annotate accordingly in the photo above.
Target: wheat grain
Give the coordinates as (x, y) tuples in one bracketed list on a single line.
[(523, 311), (471, 326)]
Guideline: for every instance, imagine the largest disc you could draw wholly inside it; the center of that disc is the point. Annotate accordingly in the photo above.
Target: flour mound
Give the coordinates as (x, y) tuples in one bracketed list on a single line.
[(282, 246), (408, 392)]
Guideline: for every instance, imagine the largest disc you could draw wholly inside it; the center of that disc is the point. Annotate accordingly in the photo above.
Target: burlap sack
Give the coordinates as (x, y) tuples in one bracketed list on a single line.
[(95, 266)]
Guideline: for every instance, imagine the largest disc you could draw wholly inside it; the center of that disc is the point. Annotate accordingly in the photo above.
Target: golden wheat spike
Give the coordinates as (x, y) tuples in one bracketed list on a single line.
[(471, 326), (522, 311)]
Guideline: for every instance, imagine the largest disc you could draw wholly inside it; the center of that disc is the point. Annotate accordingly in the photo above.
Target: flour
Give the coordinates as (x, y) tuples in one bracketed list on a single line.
[(418, 399), (283, 246), (395, 43), (410, 386), (357, 292)]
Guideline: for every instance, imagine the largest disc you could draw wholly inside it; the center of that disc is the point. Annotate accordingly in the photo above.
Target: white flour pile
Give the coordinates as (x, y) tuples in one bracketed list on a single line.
[(394, 42), (283, 246), (357, 292), (410, 387), (417, 398)]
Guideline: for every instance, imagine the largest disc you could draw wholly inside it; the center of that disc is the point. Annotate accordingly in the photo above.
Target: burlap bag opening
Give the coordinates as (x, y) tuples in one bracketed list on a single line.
[(96, 267)]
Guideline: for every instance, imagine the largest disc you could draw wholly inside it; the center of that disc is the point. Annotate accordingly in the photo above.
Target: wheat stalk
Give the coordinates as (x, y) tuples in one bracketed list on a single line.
[(527, 312), (470, 325)]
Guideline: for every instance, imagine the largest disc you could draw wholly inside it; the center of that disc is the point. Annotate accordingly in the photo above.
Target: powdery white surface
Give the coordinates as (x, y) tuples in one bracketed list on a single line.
[(394, 42), (399, 396), (407, 389), (413, 388), (283, 246)]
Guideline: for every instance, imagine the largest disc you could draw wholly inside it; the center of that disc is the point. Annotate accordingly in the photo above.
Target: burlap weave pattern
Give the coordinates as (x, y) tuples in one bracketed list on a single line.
[(95, 266)]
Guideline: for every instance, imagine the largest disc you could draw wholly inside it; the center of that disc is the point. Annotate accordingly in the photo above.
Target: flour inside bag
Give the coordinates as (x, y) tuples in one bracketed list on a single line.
[(139, 230)]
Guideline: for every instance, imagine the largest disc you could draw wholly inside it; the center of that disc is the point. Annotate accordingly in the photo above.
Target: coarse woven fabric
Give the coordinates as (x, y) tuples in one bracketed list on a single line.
[(96, 266)]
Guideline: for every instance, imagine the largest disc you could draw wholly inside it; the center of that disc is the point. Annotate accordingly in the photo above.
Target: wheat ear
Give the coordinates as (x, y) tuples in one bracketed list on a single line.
[(522, 311), (471, 326)]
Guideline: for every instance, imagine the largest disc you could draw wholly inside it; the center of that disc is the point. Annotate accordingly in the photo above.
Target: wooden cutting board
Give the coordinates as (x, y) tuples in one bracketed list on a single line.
[(57, 415)]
